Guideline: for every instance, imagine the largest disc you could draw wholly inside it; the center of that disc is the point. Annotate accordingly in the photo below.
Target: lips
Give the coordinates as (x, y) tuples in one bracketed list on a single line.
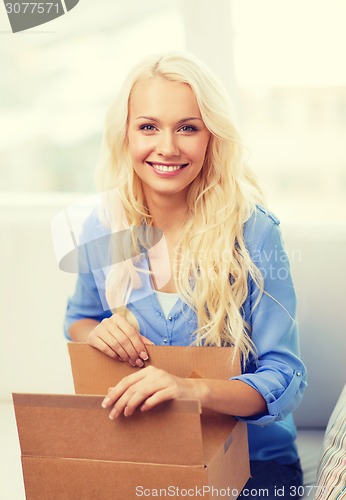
[(164, 167)]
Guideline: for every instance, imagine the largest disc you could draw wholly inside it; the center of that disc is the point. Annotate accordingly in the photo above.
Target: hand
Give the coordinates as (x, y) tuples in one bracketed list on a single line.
[(117, 338), (147, 388)]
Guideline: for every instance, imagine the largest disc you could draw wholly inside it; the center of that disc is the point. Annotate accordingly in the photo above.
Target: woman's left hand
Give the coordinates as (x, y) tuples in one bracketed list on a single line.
[(147, 388)]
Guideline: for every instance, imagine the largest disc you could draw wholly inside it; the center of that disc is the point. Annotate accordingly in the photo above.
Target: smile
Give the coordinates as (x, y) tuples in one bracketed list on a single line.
[(166, 168)]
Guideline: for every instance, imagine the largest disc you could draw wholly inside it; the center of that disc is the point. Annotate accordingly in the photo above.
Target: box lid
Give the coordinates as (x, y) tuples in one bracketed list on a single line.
[(94, 372), (69, 426), (75, 426)]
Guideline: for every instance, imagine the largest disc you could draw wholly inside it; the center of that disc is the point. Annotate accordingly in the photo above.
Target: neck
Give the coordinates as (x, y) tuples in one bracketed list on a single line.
[(168, 212)]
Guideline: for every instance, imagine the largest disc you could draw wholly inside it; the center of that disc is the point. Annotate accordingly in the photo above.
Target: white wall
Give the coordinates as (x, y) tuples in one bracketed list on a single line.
[(33, 293)]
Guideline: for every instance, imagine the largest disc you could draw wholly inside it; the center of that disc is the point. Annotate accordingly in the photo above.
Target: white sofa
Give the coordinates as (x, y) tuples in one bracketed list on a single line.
[(33, 354), (319, 271)]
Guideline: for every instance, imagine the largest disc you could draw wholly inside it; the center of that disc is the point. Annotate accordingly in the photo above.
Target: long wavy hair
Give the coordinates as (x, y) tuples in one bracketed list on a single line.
[(213, 267)]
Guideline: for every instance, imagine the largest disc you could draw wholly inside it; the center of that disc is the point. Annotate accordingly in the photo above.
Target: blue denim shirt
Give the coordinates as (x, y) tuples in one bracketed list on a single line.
[(277, 374)]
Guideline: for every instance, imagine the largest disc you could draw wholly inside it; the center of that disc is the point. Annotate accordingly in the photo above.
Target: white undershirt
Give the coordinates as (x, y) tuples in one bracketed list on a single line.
[(166, 301)]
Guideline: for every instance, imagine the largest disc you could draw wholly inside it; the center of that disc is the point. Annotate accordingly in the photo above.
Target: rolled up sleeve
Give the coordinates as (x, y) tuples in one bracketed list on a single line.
[(277, 374), (89, 299), (85, 303)]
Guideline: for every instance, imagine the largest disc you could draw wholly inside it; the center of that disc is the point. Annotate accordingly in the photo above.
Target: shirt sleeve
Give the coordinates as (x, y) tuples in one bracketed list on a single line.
[(85, 303), (279, 375)]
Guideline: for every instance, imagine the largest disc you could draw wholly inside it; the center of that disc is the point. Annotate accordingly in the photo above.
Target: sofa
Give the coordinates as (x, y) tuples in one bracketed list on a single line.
[(318, 270), (34, 358)]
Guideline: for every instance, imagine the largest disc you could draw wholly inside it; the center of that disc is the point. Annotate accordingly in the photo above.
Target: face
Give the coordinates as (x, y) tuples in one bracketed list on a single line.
[(167, 138)]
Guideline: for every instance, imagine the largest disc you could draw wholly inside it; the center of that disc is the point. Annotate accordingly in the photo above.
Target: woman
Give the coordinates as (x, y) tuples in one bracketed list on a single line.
[(176, 160)]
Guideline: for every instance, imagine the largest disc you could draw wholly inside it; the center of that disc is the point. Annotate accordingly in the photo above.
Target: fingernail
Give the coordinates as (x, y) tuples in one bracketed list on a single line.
[(105, 402), (126, 412), (144, 355), (113, 414), (131, 362), (139, 363)]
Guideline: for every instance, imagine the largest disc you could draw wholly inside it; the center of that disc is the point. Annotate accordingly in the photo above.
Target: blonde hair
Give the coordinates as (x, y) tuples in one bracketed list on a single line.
[(213, 265)]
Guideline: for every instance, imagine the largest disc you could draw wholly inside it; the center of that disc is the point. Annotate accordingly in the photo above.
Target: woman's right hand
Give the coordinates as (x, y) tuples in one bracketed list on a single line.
[(118, 339)]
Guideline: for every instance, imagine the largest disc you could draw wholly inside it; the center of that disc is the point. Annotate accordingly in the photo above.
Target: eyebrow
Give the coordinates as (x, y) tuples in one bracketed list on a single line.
[(151, 118)]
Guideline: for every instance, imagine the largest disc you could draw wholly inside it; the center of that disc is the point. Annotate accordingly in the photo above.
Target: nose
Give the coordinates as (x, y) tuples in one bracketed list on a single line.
[(167, 145)]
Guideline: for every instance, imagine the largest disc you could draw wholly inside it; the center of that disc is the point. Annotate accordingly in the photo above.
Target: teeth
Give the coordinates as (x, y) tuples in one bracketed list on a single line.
[(164, 168)]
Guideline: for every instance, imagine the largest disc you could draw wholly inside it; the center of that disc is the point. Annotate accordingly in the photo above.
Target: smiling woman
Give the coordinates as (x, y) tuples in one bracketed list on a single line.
[(174, 155), (162, 143)]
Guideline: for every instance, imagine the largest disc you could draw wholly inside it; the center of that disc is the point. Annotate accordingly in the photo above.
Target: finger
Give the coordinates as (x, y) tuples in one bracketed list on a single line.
[(98, 339), (112, 341), (157, 398), (134, 391), (133, 397), (127, 346), (144, 397), (133, 335), (116, 392), (102, 346), (114, 338), (146, 341), (120, 343)]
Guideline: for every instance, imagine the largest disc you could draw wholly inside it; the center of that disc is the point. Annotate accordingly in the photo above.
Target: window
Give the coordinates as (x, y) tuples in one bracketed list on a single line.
[(292, 92), (58, 86)]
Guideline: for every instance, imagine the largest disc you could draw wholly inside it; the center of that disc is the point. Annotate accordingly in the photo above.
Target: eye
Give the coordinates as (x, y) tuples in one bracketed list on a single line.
[(147, 127), (188, 128)]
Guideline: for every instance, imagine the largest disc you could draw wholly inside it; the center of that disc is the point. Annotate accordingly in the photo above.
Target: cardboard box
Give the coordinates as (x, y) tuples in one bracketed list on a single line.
[(71, 450)]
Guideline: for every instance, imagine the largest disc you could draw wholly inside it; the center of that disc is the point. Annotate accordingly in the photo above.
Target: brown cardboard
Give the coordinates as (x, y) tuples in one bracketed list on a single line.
[(94, 373), (71, 450)]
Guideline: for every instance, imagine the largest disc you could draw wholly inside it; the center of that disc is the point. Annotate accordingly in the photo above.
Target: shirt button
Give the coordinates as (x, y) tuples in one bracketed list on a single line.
[(170, 318), (165, 341), (298, 374)]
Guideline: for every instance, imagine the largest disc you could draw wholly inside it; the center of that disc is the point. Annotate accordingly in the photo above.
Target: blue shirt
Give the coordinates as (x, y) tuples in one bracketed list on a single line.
[(277, 374)]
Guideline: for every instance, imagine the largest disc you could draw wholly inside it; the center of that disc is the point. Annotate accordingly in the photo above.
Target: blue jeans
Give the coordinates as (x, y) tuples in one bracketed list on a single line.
[(273, 481)]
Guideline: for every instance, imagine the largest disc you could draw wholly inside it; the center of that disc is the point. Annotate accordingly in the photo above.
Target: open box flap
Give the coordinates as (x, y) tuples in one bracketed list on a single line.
[(94, 372), (69, 426), (217, 432)]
